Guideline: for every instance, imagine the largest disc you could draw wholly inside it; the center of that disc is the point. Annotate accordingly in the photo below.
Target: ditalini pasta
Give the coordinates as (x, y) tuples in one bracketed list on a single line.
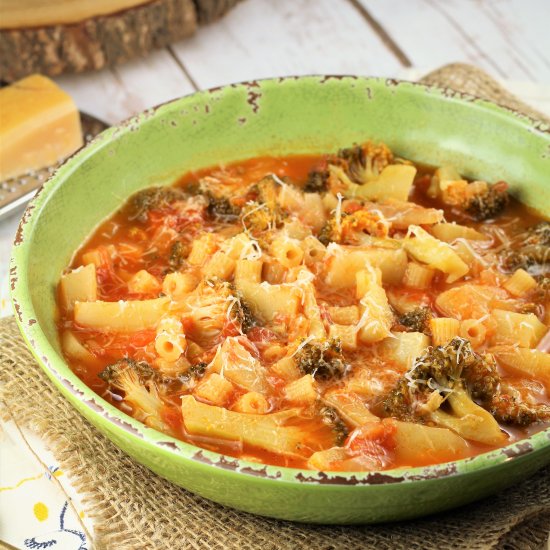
[(351, 311)]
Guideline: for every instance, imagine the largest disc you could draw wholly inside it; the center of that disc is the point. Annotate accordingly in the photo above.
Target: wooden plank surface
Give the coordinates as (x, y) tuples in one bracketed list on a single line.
[(508, 38), (263, 38), (115, 94)]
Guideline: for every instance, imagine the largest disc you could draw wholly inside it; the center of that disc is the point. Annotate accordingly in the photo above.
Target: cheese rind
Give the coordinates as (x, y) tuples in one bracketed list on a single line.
[(39, 125)]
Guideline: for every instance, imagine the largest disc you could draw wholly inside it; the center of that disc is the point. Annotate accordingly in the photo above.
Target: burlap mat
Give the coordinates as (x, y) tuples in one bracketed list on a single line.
[(471, 80), (134, 509)]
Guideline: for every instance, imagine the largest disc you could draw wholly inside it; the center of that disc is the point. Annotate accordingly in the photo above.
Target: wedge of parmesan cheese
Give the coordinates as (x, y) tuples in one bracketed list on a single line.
[(39, 125)]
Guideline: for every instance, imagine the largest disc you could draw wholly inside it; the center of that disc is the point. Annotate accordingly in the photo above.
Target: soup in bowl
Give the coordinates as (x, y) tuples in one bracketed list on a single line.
[(355, 311)]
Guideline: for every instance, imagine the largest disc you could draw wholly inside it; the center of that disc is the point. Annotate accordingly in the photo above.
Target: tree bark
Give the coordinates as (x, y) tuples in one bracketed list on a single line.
[(99, 42), (210, 10)]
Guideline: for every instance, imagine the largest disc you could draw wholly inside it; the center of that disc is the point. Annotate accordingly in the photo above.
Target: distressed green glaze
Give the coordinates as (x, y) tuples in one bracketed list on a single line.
[(293, 115)]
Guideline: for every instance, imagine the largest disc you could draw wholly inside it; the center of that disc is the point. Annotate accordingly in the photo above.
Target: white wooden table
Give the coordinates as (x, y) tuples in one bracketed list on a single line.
[(510, 39)]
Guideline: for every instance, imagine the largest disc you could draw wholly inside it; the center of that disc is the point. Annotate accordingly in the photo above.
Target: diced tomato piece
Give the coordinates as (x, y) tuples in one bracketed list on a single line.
[(172, 417), (261, 335), (374, 440)]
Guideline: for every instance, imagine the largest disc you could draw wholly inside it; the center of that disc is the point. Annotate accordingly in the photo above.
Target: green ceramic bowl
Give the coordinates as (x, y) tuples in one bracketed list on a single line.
[(291, 115)]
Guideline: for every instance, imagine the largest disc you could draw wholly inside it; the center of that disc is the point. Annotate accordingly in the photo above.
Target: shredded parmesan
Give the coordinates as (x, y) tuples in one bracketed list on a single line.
[(338, 213)]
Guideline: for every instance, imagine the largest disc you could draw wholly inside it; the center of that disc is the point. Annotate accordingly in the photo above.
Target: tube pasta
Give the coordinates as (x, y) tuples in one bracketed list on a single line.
[(248, 271), (143, 283), (75, 350), (215, 389), (202, 249), (268, 301), (474, 331), (350, 407), (170, 341), (220, 265), (394, 182), (314, 251), (302, 391), (288, 252), (526, 362), (121, 316), (443, 329), (78, 285), (344, 315), (418, 276), (169, 346), (448, 232), (236, 363), (286, 369), (520, 283), (523, 329), (469, 420), (313, 212), (343, 265), (311, 310), (346, 334), (251, 403), (178, 285), (376, 315), (404, 347), (241, 246), (437, 254), (265, 431)]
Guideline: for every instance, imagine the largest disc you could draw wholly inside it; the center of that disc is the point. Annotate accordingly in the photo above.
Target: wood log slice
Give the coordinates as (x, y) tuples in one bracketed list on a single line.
[(210, 10), (96, 42)]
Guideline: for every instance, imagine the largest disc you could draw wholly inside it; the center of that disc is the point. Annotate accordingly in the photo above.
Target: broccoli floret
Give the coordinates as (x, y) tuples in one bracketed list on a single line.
[(244, 314), (456, 367), (137, 381), (543, 287), (353, 227), (240, 311), (194, 373), (364, 163), (178, 253), (530, 250), (266, 189), (481, 377), (417, 320), (317, 181), (256, 217), (539, 234), (153, 198), (262, 213), (329, 232), (221, 208), (331, 418), (323, 360), (116, 374), (441, 370), (509, 409), (488, 204)]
